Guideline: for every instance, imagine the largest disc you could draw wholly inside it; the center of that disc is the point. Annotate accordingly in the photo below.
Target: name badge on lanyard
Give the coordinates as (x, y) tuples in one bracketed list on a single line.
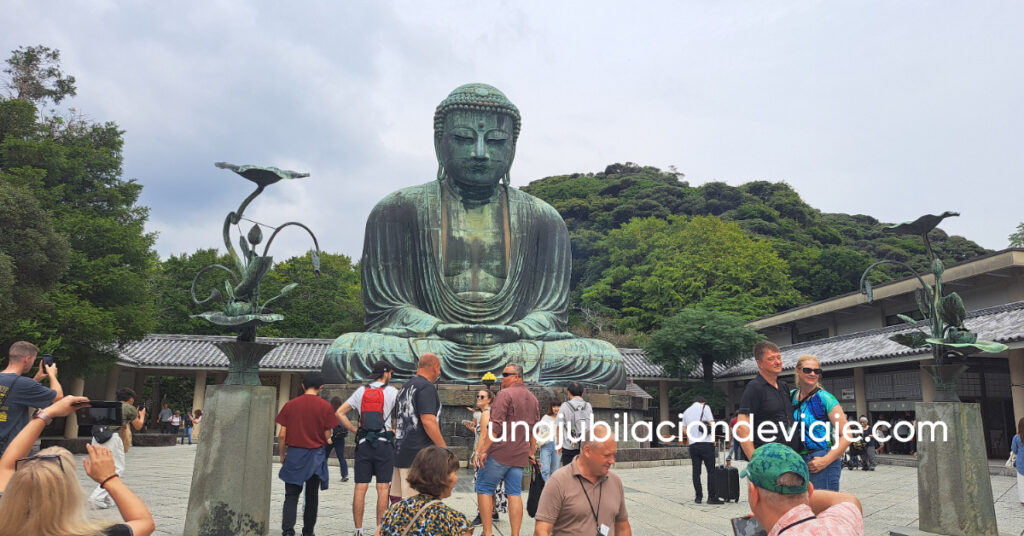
[(603, 531)]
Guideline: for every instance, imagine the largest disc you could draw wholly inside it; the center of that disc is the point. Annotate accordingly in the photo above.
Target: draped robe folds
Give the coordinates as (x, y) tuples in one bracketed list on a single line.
[(406, 296)]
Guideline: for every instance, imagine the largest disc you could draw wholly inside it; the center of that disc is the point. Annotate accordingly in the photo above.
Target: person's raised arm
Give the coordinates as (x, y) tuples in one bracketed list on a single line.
[(21, 445), (140, 419), (823, 500), (51, 371), (342, 414), (100, 467)]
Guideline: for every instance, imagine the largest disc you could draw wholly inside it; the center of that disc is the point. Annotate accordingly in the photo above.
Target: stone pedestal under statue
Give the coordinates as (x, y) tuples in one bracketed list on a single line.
[(954, 491), (231, 478)]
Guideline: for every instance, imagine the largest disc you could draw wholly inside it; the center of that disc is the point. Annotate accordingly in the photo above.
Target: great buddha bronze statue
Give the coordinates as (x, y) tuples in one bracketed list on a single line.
[(469, 268)]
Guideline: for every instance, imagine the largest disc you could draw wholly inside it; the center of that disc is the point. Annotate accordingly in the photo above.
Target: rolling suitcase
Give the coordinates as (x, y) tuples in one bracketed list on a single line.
[(727, 481)]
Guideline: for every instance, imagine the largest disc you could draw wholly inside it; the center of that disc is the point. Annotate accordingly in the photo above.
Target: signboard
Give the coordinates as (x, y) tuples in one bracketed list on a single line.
[(848, 394)]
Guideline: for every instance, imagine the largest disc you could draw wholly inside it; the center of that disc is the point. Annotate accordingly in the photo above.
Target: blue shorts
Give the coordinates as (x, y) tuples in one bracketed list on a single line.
[(488, 477)]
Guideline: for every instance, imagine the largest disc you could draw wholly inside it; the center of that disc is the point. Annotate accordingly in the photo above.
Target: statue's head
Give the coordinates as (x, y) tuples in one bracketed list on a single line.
[(475, 133)]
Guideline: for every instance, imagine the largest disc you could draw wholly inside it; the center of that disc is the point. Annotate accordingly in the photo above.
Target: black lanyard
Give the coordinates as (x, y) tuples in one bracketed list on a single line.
[(600, 496), (795, 523)]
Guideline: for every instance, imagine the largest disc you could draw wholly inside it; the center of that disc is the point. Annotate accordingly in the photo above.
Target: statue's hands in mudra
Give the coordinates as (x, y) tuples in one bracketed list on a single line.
[(478, 333)]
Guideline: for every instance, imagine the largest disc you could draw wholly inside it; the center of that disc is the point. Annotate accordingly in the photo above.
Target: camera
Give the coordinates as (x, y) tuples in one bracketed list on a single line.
[(47, 359)]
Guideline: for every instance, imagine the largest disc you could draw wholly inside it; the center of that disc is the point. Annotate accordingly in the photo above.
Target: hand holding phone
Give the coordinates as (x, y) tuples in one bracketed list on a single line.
[(747, 526)]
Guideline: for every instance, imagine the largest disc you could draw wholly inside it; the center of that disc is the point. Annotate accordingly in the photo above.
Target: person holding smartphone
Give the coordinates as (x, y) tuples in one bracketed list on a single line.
[(18, 394), (118, 443), (49, 479)]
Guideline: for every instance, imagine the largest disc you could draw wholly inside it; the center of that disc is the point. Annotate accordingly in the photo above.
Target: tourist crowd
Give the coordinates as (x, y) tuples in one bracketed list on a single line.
[(792, 486)]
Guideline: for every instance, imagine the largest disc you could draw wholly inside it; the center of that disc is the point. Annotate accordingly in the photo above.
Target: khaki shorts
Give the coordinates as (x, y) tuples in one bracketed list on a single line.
[(400, 483)]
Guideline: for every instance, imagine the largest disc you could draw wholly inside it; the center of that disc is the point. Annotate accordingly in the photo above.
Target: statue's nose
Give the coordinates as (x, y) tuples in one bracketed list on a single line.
[(481, 147)]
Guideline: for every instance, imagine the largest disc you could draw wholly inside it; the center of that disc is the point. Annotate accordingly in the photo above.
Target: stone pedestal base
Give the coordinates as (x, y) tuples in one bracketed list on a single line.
[(231, 478), (954, 491)]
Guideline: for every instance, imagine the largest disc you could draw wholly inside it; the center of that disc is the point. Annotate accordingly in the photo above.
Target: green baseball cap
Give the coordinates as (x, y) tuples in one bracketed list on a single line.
[(772, 460)]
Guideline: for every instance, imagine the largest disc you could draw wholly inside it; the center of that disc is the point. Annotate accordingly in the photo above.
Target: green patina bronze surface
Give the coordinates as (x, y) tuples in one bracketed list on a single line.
[(950, 342), (469, 268), (243, 310)]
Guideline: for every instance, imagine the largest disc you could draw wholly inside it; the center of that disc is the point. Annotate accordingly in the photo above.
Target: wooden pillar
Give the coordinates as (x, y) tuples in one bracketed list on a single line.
[(860, 392), (139, 384), (71, 421), (284, 394), (662, 400), (112, 379), (1016, 358), (199, 393), (927, 384)]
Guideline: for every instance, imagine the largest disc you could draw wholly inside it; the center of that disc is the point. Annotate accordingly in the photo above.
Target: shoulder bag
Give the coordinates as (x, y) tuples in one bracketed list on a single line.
[(412, 522)]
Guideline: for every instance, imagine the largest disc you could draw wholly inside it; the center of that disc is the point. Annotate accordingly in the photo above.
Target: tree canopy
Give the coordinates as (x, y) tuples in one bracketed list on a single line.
[(825, 254), (699, 337), (72, 169)]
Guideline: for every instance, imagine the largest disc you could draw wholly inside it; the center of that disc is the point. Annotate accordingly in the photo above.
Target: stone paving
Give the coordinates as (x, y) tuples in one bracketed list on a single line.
[(660, 499)]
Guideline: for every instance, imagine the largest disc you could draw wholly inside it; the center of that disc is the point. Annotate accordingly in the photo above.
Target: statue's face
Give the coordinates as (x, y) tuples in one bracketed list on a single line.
[(477, 147)]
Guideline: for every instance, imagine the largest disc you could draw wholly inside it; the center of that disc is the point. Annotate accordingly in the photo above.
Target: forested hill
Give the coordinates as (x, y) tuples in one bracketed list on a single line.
[(646, 243)]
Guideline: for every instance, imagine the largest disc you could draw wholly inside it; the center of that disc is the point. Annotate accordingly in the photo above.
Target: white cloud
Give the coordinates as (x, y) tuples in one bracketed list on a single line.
[(892, 110)]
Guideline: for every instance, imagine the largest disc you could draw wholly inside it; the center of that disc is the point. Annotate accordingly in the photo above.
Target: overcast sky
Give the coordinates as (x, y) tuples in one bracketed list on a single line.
[(892, 109)]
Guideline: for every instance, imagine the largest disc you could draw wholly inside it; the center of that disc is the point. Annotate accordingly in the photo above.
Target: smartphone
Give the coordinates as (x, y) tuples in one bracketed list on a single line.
[(105, 412), (747, 526), (47, 359)]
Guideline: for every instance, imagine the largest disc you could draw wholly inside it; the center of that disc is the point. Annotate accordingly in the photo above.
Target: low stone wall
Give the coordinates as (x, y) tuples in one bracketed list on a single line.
[(77, 444)]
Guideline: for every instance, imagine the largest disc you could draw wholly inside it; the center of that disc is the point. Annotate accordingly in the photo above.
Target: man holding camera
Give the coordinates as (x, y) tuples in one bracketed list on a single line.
[(18, 394)]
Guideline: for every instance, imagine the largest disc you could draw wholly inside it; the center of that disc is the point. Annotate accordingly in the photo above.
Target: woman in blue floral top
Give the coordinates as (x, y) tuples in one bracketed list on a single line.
[(433, 474), (1017, 447)]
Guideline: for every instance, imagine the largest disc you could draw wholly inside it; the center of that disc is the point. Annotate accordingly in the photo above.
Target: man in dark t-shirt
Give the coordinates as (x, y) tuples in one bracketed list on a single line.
[(306, 423), (766, 409), (18, 393), (417, 410)]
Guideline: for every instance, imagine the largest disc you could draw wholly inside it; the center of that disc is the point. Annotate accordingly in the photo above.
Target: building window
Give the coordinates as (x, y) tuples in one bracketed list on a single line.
[(892, 320), (810, 336)]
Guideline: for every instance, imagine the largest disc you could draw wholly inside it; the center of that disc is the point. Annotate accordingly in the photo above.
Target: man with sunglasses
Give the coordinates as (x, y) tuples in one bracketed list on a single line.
[(766, 412), (18, 394), (506, 447)]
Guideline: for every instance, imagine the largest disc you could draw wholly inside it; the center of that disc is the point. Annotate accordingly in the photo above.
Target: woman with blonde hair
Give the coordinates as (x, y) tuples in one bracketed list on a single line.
[(41, 495), (822, 421)]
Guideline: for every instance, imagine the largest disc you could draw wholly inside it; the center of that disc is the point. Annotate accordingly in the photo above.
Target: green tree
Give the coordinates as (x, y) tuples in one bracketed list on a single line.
[(73, 168), (33, 257), (1017, 238), (658, 267), (699, 337), (320, 307), (172, 283), (34, 75)]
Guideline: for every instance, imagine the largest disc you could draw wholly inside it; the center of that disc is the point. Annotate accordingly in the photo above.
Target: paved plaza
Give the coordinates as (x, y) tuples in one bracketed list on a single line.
[(660, 499)]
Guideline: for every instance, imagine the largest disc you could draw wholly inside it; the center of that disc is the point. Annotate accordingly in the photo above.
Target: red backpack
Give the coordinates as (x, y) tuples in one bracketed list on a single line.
[(371, 409)]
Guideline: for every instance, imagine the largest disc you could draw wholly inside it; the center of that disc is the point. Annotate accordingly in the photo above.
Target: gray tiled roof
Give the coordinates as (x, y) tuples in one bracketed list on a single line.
[(1003, 323), (198, 351)]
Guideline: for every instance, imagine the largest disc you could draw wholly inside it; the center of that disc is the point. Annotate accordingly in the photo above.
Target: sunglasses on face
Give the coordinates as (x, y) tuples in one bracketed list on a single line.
[(507, 374), (809, 370), (51, 458), (481, 397)]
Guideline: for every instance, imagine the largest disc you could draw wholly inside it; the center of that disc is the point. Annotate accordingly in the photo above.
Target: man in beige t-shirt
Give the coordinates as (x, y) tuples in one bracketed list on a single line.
[(585, 497)]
